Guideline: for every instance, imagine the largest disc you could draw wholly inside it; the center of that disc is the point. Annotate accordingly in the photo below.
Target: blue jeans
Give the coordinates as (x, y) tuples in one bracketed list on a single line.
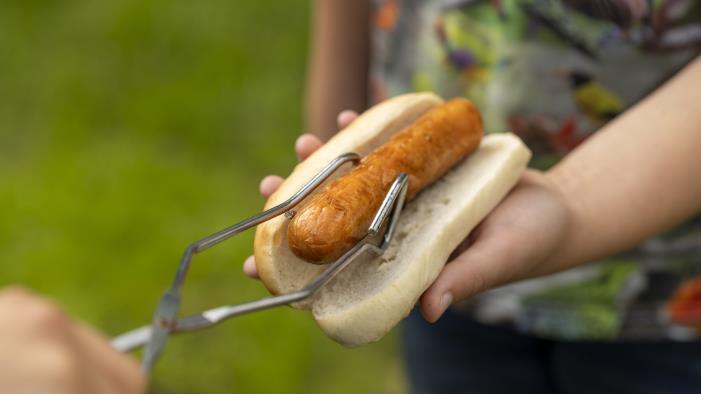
[(459, 355)]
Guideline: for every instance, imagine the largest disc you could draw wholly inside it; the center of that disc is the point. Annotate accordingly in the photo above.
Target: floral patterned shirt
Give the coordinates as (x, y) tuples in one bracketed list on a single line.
[(554, 72)]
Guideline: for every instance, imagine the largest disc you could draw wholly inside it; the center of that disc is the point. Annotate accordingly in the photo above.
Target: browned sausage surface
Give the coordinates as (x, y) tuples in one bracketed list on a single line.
[(338, 216)]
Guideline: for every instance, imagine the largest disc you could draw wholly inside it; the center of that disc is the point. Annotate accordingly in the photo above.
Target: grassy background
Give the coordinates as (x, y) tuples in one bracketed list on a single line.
[(129, 128)]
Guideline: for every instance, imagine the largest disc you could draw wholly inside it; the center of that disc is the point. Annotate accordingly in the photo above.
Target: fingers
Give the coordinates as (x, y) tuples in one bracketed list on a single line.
[(117, 371), (512, 243), (269, 184), (345, 118), (108, 370), (306, 145), (249, 267), (44, 350), (466, 275), (32, 314)]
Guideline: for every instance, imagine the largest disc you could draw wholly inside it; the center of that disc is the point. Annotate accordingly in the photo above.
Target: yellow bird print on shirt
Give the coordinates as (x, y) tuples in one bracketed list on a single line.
[(598, 102)]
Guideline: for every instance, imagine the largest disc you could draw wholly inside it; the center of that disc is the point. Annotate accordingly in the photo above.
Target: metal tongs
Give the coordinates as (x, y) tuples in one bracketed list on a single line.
[(166, 321)]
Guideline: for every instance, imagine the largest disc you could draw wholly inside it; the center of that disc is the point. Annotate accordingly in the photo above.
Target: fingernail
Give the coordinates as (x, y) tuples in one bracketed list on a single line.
[(446, 300)]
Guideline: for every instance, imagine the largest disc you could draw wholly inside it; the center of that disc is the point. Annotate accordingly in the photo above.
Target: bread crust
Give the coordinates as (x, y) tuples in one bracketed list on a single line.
[(337, 217)]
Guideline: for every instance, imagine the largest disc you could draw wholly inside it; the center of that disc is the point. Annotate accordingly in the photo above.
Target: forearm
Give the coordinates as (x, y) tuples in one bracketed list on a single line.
[(638, 176), (338, 63)]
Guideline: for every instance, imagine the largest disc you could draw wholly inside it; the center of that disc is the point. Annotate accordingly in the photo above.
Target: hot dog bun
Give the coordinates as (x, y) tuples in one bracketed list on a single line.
[(333, 220), (370, 297), (279, 269)]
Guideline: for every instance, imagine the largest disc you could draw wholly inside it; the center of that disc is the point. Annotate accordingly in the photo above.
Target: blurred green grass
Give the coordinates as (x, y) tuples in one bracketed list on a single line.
[(129, 128)]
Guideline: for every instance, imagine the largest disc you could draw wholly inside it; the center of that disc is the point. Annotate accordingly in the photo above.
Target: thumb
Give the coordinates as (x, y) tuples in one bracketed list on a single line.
[(471, 272)]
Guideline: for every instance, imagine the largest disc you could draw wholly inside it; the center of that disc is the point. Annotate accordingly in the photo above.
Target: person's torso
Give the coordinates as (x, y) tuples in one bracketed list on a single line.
[(553, 72)]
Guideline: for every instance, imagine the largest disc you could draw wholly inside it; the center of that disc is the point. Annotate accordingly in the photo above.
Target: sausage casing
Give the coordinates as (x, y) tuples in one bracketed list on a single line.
[(338, 216)]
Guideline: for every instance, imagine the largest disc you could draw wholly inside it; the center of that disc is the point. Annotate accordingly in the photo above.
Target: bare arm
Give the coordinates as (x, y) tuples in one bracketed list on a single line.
[(337, 76), (638, 176)]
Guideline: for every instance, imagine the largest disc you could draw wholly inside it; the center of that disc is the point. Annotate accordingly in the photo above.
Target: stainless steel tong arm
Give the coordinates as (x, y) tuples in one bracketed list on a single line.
[(165, 319)]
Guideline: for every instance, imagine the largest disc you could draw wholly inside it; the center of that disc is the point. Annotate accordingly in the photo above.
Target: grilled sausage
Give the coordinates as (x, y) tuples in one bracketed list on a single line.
[(337, 217)]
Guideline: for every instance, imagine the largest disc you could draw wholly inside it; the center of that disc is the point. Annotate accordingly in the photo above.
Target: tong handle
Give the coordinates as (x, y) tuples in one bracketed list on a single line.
[(394, 201), (165, 317)]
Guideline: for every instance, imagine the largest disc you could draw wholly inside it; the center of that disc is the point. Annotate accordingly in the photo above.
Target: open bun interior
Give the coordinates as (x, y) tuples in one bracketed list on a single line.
[(363, 302)]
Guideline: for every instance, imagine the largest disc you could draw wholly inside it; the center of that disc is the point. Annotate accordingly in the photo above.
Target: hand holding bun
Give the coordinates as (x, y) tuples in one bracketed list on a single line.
[(370, 296)]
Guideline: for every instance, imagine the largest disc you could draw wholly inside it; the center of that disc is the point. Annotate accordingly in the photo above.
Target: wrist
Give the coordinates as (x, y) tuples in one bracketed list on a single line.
[(562, 255)]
